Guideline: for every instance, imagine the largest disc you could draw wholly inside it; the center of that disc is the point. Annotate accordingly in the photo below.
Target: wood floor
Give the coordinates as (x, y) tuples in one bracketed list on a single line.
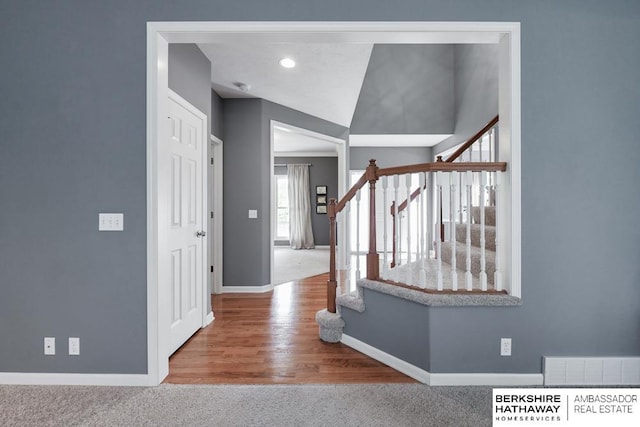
[(272, 338)]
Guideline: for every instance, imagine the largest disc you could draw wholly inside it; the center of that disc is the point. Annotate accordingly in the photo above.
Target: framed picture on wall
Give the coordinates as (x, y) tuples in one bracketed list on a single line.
[(321, 200), (321, 209), (321, 189)]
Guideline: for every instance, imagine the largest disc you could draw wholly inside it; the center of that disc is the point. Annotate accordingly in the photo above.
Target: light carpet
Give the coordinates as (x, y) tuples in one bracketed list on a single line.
[(291, 264), (246, 405)]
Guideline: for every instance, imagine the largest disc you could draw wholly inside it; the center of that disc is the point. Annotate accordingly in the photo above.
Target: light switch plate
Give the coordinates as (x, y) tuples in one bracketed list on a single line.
[(110, 222), (253, 214)]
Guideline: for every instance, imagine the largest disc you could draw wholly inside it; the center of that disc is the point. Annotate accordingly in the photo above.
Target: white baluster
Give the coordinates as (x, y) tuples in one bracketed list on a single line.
[(439, 180), (422, 251), (400, 217), (345, 218), (358, 235), (385, 212), (484, 188), (397, 254), (497, 277), (453, 177), (407, 181), (468, 278), (430, 222), (460, 187)]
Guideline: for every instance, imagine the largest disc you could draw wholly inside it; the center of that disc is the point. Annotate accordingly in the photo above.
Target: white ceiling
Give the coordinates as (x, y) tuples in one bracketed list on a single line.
[(325, 83), (331, 66), (288, 142)]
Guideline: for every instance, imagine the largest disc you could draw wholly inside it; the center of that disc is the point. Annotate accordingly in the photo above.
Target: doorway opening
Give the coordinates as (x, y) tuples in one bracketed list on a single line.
[(160, 34)]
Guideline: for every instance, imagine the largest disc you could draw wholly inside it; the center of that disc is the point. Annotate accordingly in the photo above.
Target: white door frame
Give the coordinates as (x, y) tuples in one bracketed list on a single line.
[(160, 34), (215, 203), (341, 151)]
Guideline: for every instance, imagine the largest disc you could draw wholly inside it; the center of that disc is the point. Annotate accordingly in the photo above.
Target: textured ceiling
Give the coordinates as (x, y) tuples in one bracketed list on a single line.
[(387, 94), (325, 83)]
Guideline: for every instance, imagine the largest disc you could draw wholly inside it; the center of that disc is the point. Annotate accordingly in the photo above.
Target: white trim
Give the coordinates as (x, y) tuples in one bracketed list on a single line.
[(218, 253), (491, 379), (159, 34), (305, 154), (209, 319), (157, 106), (8, 378), (246, 289), (432, 379), (406, 368)]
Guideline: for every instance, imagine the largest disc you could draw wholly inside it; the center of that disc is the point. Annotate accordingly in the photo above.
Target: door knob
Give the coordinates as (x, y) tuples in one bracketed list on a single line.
[(201, 233)]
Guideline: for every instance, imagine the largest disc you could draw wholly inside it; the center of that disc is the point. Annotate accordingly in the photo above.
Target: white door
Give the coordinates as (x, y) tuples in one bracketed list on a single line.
[(187, 238)]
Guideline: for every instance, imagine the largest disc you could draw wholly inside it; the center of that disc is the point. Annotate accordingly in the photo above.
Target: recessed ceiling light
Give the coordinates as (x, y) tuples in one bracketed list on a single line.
[(287, 62)]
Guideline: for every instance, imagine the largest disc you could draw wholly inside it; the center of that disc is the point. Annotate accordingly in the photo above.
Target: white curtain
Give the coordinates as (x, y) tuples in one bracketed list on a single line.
[(300, 231)]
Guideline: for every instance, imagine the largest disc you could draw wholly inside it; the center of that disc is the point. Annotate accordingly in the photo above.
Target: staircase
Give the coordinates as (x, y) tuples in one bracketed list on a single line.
[(476, 246)]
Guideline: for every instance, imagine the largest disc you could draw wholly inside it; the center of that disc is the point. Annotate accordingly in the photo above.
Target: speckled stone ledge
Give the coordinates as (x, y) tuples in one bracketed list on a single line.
[(356, 302)]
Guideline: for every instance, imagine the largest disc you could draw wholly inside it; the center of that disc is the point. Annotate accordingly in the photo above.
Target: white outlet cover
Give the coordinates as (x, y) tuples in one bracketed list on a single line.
[(49, 346), (74, 346), (110, 222), (253, 214), (505, 347)]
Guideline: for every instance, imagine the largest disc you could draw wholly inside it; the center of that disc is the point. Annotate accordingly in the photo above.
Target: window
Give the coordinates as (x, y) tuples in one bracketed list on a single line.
[(282, 207)]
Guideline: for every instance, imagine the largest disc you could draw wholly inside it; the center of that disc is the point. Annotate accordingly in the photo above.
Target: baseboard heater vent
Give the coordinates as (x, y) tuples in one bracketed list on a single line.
[(591, 371)]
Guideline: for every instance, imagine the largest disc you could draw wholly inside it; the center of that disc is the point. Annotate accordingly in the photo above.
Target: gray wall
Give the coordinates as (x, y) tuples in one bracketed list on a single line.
[(244, 155), (387, 156), (476, 91), (190, 77), (73, 112), (405, 325), (324, 171), (246, 124), (216, 115), (398, 81)]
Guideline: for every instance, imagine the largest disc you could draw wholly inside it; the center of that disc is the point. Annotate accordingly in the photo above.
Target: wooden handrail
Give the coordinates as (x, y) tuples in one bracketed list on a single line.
[(444, 167), (472, 140), (351, 193)]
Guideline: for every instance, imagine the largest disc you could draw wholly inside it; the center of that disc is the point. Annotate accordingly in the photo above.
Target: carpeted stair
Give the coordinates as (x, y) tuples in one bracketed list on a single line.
[(461, 245)]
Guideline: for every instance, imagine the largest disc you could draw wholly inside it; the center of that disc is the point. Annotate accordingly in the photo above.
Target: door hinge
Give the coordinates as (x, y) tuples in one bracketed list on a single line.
[(212, 214), (212, 268), (211, 160)]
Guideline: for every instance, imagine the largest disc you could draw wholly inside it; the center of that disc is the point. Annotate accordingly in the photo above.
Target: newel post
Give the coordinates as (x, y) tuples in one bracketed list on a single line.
[(373, 261), (332, 283)]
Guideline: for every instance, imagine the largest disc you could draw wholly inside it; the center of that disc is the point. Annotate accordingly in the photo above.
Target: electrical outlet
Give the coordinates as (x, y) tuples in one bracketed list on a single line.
[(505, 346), (74, 346), (110, 222), (49, 346)]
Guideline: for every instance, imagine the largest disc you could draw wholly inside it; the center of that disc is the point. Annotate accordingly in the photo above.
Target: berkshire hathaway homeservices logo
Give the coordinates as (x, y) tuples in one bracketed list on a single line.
[(566, 407)]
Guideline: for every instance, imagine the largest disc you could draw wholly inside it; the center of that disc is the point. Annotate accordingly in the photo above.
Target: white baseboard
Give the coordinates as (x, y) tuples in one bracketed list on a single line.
[(406, 368), (21, 378), (433, 379), (246, 289), (493, 379), (209, 319)]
